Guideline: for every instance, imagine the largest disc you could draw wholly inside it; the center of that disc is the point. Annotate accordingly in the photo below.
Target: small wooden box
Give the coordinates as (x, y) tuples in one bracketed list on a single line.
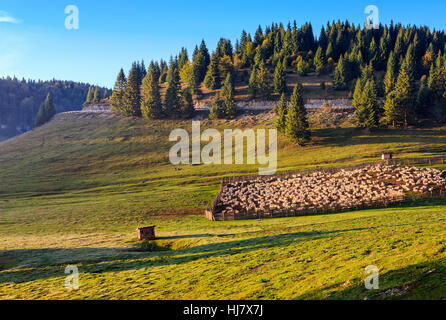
[(146, 233)]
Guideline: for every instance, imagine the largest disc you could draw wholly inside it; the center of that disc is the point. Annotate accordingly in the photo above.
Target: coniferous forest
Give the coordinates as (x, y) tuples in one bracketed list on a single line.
[(20, 101), (395, 74)]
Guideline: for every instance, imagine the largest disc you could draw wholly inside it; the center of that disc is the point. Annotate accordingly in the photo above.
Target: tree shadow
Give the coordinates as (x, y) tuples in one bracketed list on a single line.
[(426, 281), (353, 136), (35, 264)]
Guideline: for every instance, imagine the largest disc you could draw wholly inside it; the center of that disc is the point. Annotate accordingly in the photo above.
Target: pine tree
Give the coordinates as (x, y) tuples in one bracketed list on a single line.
[(319, 61), (46, 112), (89, 95), (399, 106), (212, 80), (390, 77), (216, 111), (105, 93), (97, 95), (281, 112), (172, 98), (423, 99), (371, 106), (301, 66), (263, 81), (357, 95), (229, 101), (132, 95), (340, 77), (151, 105), (280, 84), (117, 99), (253, 86), (200, 63), (187, 104), (297, 128)]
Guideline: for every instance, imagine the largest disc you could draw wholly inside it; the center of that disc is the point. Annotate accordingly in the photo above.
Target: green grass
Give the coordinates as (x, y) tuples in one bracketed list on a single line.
[(74, 193)]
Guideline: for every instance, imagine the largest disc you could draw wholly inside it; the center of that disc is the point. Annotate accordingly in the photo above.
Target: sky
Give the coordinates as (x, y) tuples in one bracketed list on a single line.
[(35, 43)]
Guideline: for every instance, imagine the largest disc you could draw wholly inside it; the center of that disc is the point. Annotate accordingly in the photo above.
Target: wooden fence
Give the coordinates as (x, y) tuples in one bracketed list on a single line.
[(215, 212)]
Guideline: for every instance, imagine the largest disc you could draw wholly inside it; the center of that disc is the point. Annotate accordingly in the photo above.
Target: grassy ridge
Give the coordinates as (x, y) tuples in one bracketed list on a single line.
[(73, 192)]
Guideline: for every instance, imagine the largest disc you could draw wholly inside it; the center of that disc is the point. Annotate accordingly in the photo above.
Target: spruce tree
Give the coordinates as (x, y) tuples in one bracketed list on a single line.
[(319, 61), (253, 86), (172, 98), (151, 105), (390, 77), (97, 95), (216, 111), (297, 128), (89, 95), (212, 80), (371, 106), (357, 95), (281, 112), (187, 104), (229, 101), (132, 95), (340, 79), (423, 99), (46, 112), (117, 99), (263, 81), (280, 84), (200, 63)]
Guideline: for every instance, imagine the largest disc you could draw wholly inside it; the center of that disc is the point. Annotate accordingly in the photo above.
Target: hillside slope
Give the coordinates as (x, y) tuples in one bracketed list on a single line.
[(73, 191)]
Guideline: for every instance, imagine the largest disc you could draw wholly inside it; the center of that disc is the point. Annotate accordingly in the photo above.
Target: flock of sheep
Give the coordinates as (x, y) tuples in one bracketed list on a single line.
[(321, 191)]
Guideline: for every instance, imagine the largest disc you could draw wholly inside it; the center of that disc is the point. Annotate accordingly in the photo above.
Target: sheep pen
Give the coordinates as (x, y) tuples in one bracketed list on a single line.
[(342, 189)]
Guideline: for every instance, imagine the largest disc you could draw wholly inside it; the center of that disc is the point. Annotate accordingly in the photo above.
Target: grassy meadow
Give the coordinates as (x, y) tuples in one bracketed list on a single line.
[(74, 191)]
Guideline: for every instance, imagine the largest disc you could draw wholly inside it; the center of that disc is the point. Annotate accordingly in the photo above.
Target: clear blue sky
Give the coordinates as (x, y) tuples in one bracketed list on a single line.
[(35, 44)]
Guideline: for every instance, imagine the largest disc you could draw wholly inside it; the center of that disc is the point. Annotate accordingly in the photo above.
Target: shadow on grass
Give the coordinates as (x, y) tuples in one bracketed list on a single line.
[(425, 281), (353, 136), (38, 264)]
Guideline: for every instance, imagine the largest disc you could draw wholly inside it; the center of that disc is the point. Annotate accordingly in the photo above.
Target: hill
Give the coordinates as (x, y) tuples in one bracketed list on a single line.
[(74, 190), (20, 101)]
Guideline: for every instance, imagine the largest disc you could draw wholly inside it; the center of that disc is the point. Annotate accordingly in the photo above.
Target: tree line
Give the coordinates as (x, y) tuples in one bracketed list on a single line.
[(394, 71), (20, 100)]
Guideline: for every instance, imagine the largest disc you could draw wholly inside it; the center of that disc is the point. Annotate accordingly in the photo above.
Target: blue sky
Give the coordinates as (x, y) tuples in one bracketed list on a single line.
[(35, 44)]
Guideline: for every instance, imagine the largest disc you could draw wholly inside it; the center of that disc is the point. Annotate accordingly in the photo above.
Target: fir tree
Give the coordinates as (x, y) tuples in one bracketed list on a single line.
[(297, 128), (97, 95), (132, 95), (89, 95), (46, 112), (212, 80), (280, 84), (172, 98), (281, 112), (229, 101), (216, 111), (151, 106), (390, 77), (253, 86), (263, 81), (319, 61), (340, 78), (117, 99), (187, 104), (423, 99)]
